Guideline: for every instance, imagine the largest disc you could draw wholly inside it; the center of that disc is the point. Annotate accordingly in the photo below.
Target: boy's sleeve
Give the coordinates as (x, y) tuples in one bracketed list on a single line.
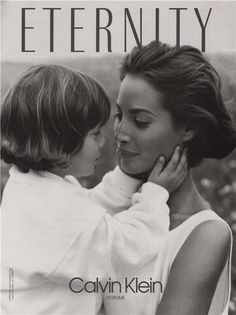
[(121, 244), (114, 191), (136, 234)]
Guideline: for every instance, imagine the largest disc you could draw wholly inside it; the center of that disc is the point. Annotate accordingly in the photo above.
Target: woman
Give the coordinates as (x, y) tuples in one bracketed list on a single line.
[(171, 96)]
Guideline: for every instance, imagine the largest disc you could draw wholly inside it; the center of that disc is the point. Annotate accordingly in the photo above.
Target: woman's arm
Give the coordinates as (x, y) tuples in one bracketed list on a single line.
[(196, 270)]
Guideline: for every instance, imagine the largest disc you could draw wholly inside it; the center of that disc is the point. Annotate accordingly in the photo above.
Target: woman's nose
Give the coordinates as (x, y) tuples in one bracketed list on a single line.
[(120, 132)]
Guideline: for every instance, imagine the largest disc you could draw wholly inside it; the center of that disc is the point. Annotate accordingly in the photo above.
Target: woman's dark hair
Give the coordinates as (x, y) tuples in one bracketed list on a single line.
[(47, 114), (190, 91)]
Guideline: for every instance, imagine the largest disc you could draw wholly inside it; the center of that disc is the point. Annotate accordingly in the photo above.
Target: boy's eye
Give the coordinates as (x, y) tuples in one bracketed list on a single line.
[(118, 114), (97, 133)]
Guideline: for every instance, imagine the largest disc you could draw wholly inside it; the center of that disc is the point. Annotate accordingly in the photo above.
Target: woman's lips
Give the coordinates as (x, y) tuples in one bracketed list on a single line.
[(125, 154)]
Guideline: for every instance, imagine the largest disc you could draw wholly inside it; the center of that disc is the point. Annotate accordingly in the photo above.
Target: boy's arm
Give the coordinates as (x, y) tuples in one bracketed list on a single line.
[(139, 231), (106, 245), (117, 246), (114, 191), (116, 188)]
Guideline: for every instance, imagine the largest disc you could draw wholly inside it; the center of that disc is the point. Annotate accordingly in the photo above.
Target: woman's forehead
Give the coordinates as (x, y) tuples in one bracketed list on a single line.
[(137, 94)]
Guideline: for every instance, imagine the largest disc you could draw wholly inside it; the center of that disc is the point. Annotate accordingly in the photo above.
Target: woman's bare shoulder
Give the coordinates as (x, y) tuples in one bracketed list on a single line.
[(213, 228), (196, 270), (213, 235), (209, 243)]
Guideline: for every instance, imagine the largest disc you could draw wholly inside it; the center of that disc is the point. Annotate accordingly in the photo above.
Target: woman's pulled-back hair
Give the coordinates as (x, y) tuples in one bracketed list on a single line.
[(190, 90), (47, 114)]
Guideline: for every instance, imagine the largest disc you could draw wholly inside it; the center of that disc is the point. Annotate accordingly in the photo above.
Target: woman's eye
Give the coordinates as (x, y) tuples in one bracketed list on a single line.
[(141, 123)]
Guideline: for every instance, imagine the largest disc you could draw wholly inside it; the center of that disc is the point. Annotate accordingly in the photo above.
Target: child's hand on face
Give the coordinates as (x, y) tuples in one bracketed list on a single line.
[(173, 174)]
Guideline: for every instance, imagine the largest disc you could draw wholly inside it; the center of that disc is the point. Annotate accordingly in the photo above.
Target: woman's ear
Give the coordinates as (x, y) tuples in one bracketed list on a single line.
[(189, 133)]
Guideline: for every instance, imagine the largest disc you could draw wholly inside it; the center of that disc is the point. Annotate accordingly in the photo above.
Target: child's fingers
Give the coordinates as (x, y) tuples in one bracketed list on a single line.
[(174, 160), (183, 163), (180, 180), (183, 175), (180, 175), (182, 170), (159, 165)]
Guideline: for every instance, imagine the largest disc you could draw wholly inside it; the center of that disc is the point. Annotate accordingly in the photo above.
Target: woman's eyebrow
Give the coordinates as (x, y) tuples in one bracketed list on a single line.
[(140, 111), (137, 110)]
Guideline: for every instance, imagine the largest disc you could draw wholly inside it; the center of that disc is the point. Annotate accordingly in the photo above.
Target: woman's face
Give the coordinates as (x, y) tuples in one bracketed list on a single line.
[(143, 129)]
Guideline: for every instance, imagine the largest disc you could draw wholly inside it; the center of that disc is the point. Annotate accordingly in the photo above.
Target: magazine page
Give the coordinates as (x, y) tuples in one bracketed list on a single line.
[(118, 160)]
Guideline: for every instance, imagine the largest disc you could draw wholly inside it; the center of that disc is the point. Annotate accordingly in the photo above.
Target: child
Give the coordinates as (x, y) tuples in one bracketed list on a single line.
[(53, 230)]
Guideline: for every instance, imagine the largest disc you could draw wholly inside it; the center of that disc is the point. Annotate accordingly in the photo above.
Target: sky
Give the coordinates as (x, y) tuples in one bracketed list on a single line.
[(220, 30)]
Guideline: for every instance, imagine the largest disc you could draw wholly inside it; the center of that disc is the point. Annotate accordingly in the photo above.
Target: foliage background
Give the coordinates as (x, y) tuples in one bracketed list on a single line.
[(216, 180)]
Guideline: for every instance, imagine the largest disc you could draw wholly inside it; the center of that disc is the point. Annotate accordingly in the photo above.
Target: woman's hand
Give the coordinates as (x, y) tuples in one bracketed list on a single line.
[(173, 174)]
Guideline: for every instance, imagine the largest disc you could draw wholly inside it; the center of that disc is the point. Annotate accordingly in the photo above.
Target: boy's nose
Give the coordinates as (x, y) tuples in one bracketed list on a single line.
[(102, 141)]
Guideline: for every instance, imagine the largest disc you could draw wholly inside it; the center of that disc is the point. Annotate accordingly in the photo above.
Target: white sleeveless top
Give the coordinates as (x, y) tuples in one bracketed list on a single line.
[(158, 269)]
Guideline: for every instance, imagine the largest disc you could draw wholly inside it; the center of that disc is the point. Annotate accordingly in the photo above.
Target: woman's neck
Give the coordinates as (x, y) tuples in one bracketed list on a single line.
[(185, 201)]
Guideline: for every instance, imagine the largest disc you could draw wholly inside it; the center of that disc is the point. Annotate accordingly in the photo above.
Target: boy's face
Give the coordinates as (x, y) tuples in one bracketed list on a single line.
[(83, 163)]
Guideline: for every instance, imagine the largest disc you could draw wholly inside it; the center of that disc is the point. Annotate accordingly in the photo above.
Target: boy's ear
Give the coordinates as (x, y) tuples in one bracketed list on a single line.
[(189, 133)]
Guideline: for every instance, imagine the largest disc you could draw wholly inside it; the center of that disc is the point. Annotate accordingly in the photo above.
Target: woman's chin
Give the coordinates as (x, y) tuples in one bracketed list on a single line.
[(132, 168)]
